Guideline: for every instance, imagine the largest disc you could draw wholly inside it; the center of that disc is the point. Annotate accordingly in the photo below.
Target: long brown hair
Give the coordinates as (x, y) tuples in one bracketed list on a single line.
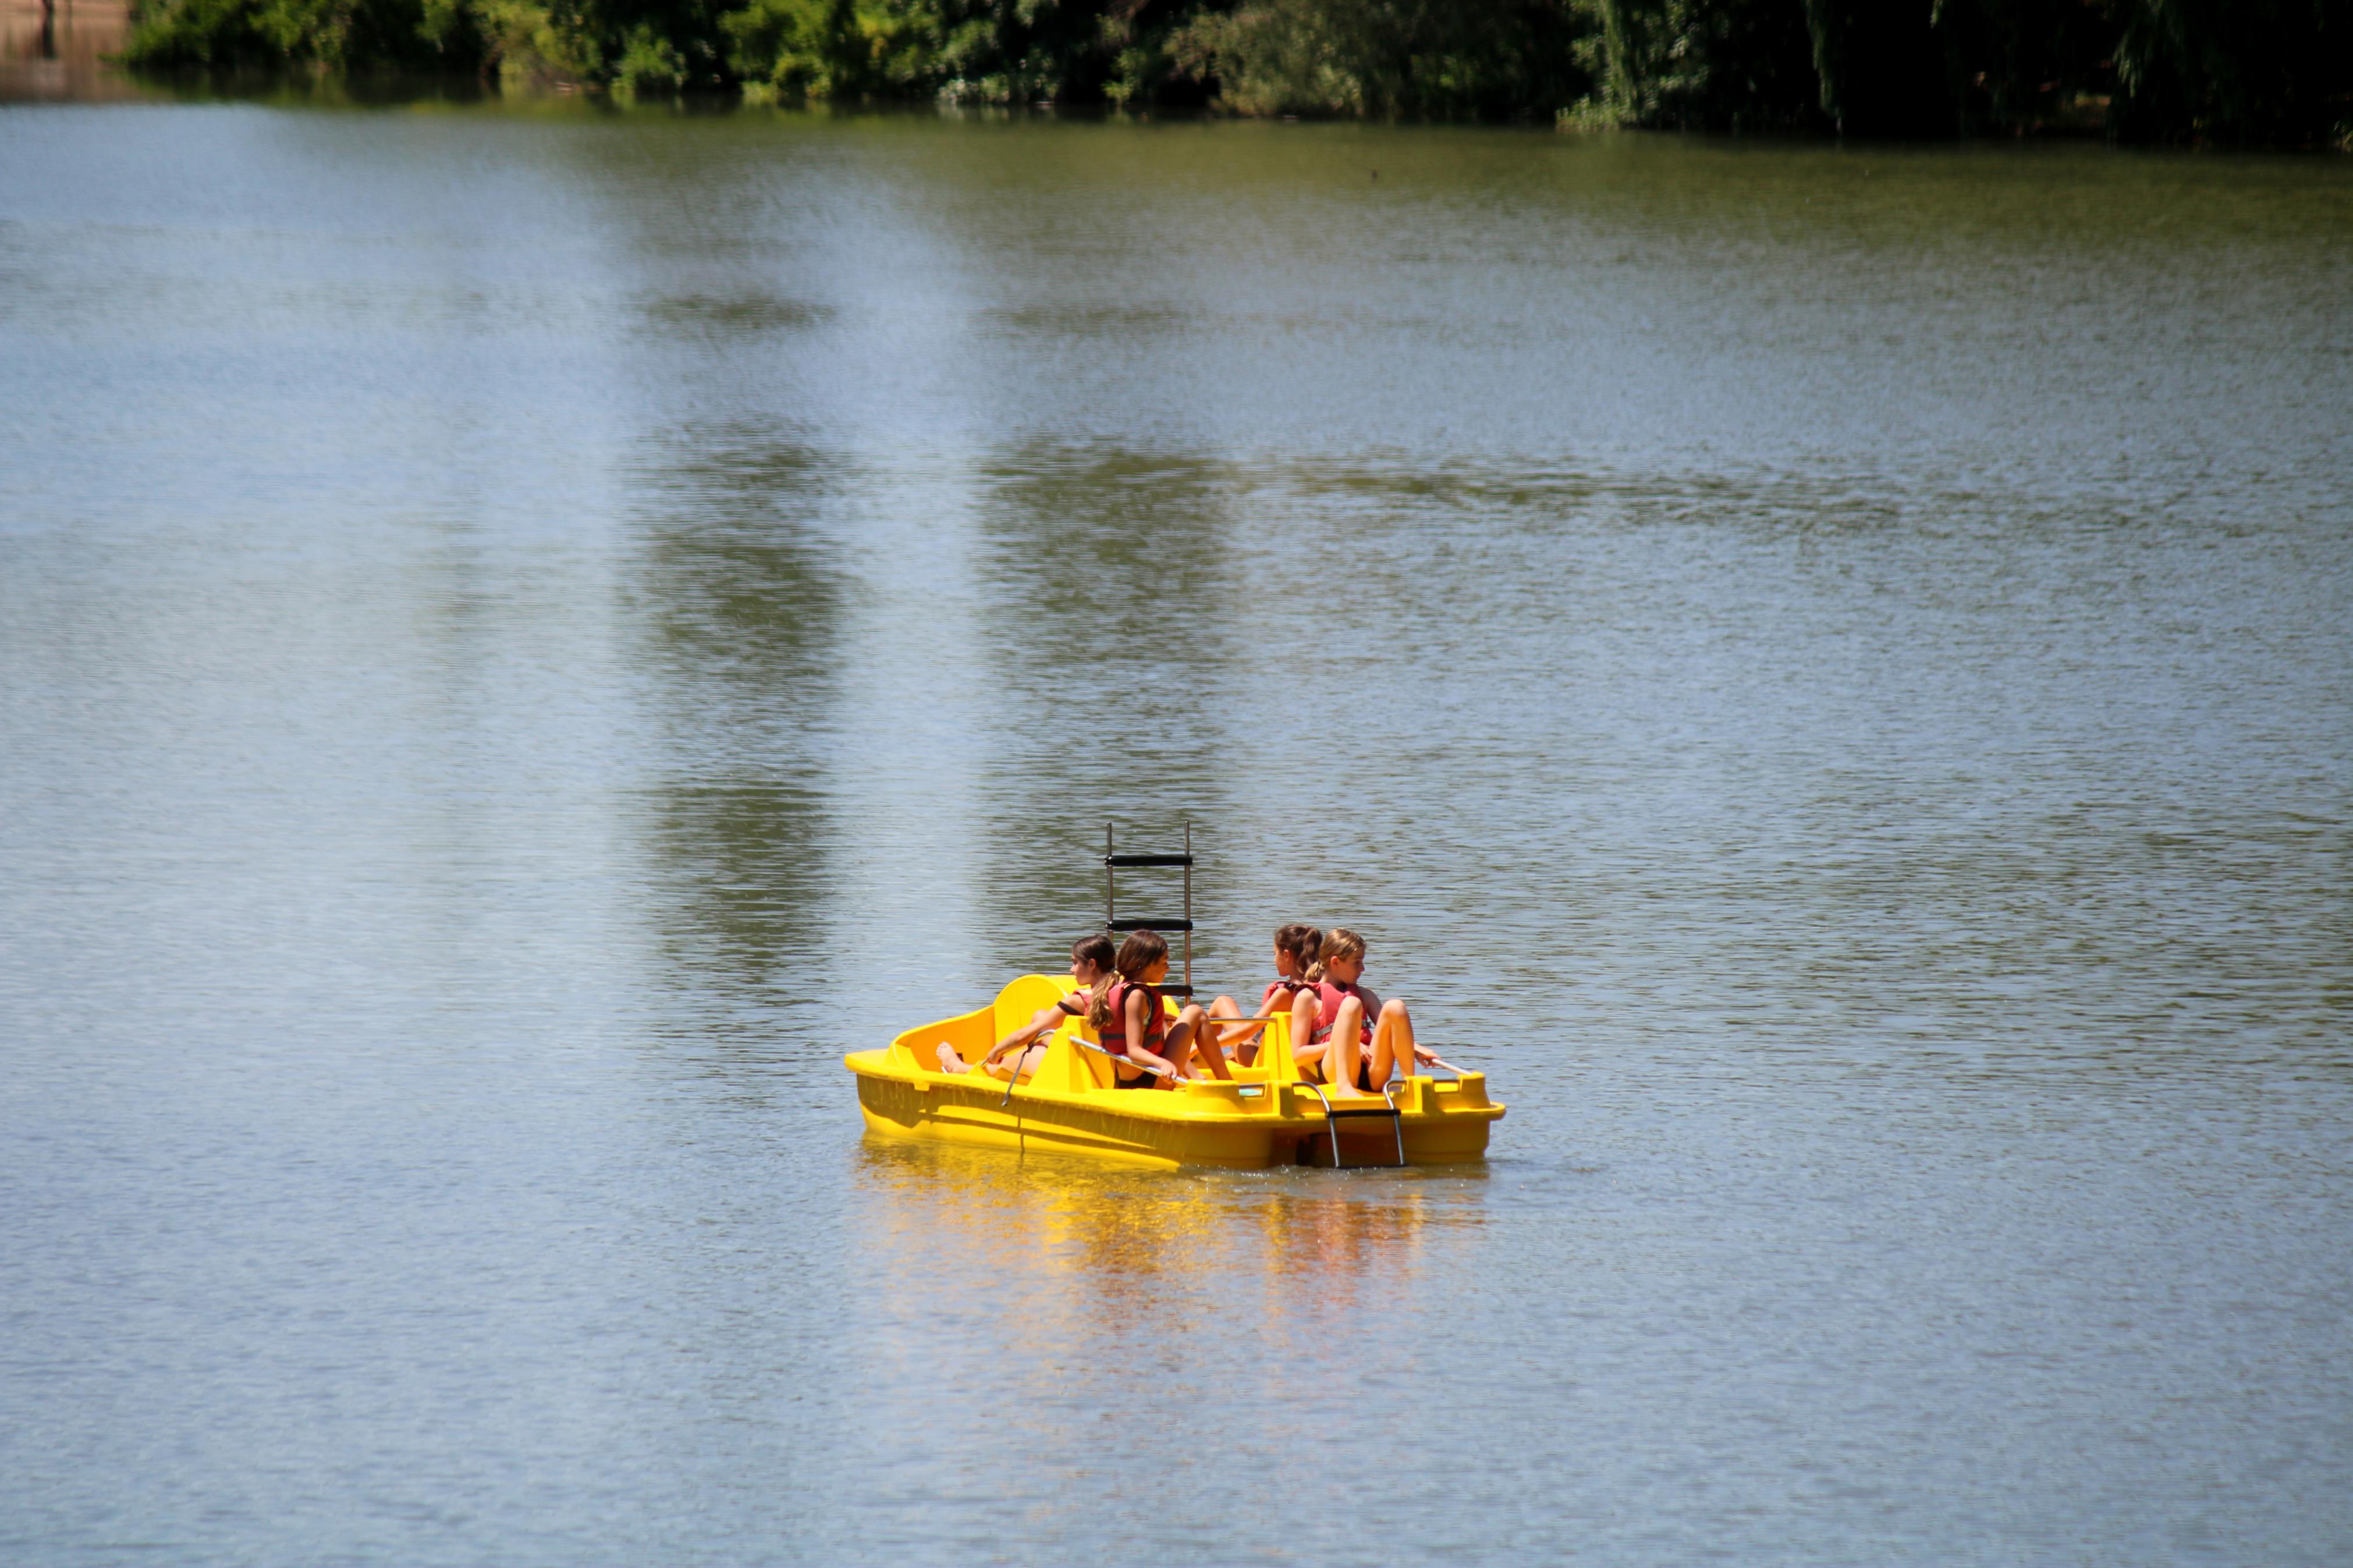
[(1096, 949), (1338, 943), (1140, 952), (1302, 942)]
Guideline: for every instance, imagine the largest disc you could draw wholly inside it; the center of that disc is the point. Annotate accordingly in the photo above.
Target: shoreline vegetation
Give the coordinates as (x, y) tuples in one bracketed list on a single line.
[(2249, 73)]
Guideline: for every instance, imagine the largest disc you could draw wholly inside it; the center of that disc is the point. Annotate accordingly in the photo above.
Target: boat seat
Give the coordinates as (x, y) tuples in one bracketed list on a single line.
[(1020, 1000)]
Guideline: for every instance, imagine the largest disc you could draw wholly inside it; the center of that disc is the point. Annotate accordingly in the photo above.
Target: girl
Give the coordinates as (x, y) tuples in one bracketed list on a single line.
[(1136, 1030), (1294, 949), (1364, 1039), (1091, 965)]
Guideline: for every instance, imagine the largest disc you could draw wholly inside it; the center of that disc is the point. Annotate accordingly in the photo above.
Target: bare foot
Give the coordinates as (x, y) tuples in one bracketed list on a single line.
[(949, 1060)]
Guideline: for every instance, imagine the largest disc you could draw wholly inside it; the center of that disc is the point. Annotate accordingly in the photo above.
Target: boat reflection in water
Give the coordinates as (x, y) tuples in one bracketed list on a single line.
[(1072, 1257)]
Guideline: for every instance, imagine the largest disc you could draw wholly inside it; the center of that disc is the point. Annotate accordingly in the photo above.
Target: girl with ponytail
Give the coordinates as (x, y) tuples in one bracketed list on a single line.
[(1147, 1047), (1294, 949), (1357, 1039)]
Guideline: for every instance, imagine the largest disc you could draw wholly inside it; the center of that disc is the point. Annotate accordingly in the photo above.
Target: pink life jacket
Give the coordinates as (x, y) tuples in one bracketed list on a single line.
[(1113, 1035), (1329, 995), (1290, 989)]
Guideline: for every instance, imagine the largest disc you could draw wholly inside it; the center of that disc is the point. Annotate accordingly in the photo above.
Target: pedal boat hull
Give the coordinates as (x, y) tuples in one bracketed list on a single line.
[(1266, 1116)]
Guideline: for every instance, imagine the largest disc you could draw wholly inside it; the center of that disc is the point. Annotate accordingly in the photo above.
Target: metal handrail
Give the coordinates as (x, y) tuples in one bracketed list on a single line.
[(1332, 1118), (1331, 1128), (1397, 1117)]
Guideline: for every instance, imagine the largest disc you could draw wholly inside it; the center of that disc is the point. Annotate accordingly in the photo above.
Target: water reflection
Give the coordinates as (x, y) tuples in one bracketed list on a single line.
[(1109, 623), (57, 50), (750, 857), (741, 597), (1112, 566), (743, 587), (1053, 1240), (716, 318)]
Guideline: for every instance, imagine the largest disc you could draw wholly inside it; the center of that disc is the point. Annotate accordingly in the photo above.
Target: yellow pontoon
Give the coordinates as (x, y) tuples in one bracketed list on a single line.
[(1267, 1116)]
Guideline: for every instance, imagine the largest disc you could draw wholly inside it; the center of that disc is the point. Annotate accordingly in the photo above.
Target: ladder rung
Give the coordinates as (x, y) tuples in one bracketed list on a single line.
[(1147, 859), (1340, 1110), (1150, 925)]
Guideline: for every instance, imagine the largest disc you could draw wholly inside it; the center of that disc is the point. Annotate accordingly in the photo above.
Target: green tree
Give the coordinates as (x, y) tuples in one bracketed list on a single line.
[(799, 48), (1490, 58), (416, 36), (1718, 65)]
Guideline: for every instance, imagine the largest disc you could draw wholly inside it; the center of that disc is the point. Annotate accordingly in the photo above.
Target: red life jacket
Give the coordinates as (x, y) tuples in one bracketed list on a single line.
[(1113, 1035), (1290, 989), (1329, 995)]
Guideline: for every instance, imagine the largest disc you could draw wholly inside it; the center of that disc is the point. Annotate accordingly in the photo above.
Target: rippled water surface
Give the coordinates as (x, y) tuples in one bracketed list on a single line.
[(524, 635)]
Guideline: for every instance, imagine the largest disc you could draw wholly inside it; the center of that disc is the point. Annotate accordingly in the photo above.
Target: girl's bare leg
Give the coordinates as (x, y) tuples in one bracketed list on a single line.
[(1392, 1044), (1244, 1042), (1042, 1023), (1347, 1046), (949, 1060), (1144, 1061), (1021, 1064), (1194, 1037)]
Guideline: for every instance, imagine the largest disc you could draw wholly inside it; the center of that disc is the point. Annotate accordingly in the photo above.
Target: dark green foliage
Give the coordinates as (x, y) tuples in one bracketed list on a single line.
[(1000, 51), (2277, 72), (633, 46), (1717, 65), (989, 51), (414, 36), (2260, 72), (1882, 68), (2021, 65), (797, 48), (1493, 58)]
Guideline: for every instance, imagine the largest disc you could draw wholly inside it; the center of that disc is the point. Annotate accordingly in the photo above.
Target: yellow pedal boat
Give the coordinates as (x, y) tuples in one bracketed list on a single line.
[(1267, 1115)]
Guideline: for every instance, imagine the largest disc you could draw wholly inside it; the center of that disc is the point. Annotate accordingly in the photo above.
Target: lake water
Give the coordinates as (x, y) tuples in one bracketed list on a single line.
[(526, 633)]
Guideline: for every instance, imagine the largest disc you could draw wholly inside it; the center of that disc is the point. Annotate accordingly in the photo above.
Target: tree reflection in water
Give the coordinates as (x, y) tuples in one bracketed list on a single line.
[(1108, 617), (740, 596)]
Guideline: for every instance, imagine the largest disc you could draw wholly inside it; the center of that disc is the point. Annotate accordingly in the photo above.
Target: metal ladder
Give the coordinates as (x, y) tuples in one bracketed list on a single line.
[(1113, 862), (1333, 1118)]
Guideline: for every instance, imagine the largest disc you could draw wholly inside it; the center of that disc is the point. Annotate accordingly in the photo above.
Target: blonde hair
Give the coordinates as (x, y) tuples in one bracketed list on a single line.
[(1338, 943)]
